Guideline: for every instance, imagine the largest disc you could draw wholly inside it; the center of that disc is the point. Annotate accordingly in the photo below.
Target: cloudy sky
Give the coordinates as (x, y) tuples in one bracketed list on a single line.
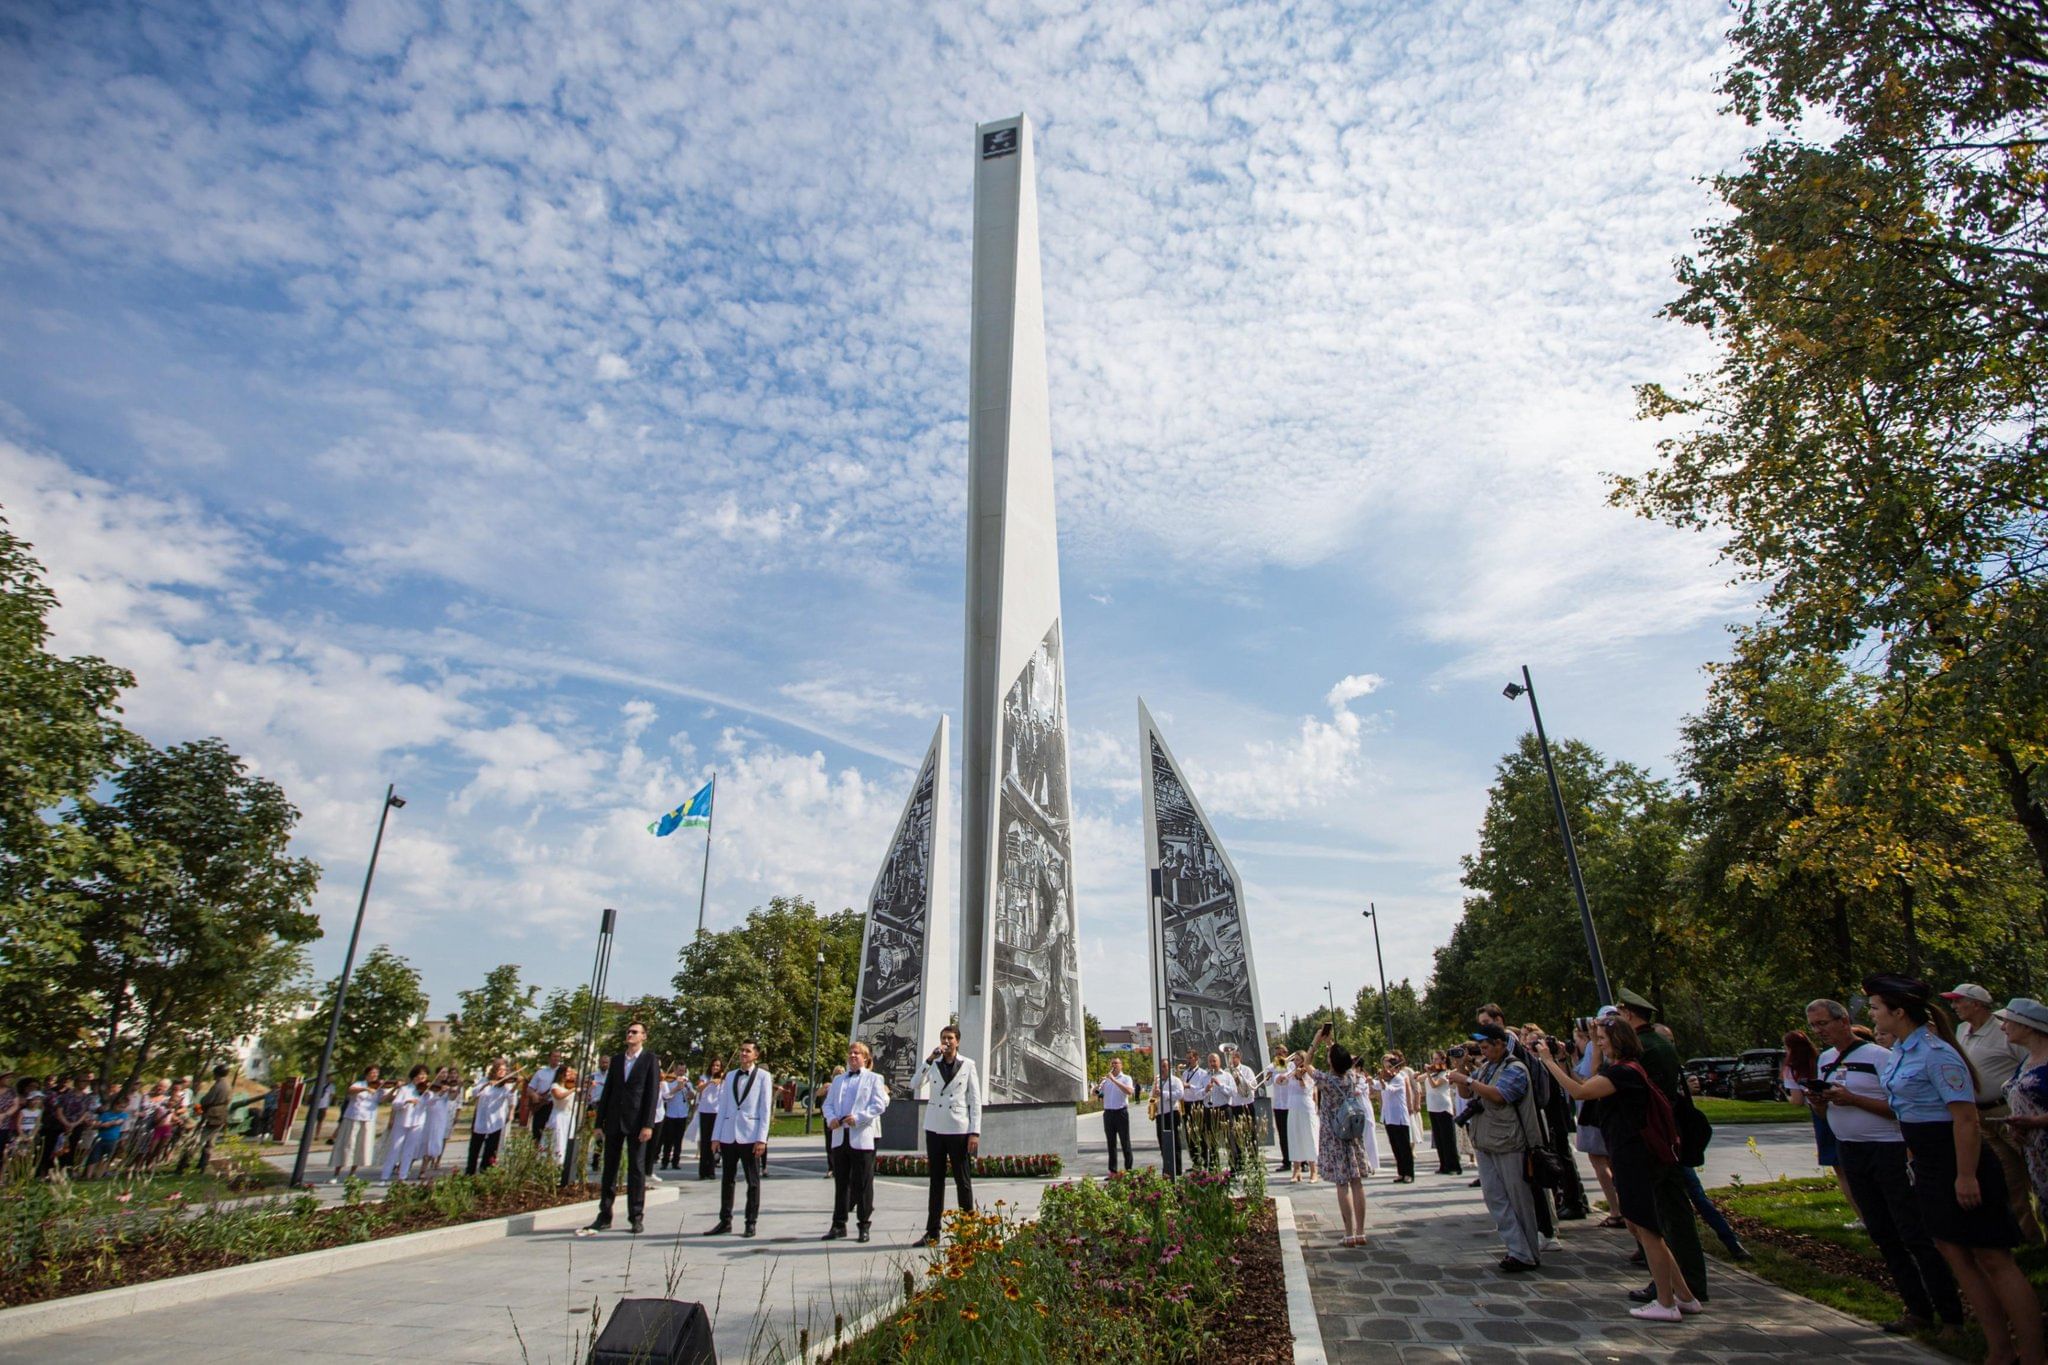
[(541, 405)]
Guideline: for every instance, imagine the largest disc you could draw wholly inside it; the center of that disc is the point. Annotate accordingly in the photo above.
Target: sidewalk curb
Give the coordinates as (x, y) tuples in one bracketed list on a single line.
[(39, 1319), (1301, 1303)]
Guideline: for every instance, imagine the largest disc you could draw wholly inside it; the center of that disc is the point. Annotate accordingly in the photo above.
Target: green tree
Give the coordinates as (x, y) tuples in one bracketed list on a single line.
[(1870, 444), (496, 1017), (192, 913), (759, 980), (383, 1022), (59, 736)]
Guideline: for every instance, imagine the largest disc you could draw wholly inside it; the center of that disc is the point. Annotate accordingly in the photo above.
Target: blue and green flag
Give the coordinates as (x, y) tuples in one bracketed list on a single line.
[(695, 812)]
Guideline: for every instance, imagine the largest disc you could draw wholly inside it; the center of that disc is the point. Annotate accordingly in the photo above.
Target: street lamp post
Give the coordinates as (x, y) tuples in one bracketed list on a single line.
[(1527, 686), (1333, 1003), (817, 999), (392, 801), (1386, 1006), (586, 1046)]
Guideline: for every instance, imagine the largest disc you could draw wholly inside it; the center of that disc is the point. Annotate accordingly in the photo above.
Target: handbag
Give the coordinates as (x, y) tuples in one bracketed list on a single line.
[(1541, 1167)]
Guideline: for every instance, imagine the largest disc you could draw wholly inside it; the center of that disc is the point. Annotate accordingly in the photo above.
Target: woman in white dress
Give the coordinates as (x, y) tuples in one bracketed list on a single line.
[(355, 1141), (1301, 1118), (561, 1122)]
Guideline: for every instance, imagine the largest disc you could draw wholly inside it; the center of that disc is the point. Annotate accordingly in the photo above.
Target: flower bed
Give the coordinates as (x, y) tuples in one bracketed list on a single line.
[(57, 1240), (992, 1167), (1137, 1268)]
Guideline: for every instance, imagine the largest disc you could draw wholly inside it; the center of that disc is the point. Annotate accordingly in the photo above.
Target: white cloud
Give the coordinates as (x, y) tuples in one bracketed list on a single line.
[(1351, 687)]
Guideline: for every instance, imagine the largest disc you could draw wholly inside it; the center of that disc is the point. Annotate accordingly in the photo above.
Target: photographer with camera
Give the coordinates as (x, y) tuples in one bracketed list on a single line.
[(1504, 1123)]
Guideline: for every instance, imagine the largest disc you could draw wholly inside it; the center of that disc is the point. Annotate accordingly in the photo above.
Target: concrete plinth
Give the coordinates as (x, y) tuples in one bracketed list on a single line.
[(1029, 1130)]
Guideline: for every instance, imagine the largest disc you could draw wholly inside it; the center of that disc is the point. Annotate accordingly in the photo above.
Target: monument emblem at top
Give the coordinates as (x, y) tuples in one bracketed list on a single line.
[(1020, 972)]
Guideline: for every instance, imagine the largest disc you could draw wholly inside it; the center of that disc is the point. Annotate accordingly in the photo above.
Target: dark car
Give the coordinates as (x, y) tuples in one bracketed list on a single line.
[(1710, 1075), (1757, 1075)]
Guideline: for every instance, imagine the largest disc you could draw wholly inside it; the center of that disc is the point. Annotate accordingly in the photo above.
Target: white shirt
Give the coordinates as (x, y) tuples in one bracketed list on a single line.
[(1244, 1083), (1282, 1081), (1860, 1073), (596, 1089), (1437, 1095), (708, 1093), (1196, 1085), (861, 1096), (1115, 1091), (1169, 1092), (1394, 1100), (1222, 1091), (676, 1096), (362, 1102), (407, 1110), (541, 1082), (1997, 1060), (493, 1107)]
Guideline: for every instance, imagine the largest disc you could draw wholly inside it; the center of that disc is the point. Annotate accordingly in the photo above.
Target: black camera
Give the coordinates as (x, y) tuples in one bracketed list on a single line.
[(1457, 1052)]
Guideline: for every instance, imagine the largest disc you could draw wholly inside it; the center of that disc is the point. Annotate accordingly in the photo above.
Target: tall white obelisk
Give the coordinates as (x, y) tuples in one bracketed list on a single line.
[(1020, 973)]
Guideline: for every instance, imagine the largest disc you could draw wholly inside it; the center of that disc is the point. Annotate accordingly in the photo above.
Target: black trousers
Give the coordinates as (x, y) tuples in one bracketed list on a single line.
[(1116, 1128), (1400, 1139), (1877, 1176), (1571, 1199), (853, 1185), (672, 1130), (707, 1150), (1280, 1124), (483, 1150), (942, 1150), (1168, 1126), (542, 1112), (739, 1159), (1443, 1132), (634, 1151)]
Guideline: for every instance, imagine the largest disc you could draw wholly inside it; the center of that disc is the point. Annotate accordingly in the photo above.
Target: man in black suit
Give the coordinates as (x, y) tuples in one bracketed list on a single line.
[(627, 1114)]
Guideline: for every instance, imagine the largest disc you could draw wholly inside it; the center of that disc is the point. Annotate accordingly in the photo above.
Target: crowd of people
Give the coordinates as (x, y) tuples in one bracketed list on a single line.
[(82, 1128)]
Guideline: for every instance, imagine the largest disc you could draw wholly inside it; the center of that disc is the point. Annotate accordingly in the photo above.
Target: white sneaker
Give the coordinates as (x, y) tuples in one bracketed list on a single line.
[(1691, 1306), (653, 1179), (1550, 1244), (1657, 1312)]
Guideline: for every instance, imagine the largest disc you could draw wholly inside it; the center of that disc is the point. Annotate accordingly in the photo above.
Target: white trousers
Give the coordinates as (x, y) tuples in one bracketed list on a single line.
[(405, 1147)]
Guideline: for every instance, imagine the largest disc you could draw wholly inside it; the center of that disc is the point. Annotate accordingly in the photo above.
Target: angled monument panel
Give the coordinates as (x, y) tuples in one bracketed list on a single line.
[(1208, 991), (897, 1009), (1020, 986)]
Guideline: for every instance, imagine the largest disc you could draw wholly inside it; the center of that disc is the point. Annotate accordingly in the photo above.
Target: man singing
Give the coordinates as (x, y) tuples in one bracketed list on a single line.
[(952, 1125), (628, 1112), (742, 1134), (1117, 1091), (853, 1108)]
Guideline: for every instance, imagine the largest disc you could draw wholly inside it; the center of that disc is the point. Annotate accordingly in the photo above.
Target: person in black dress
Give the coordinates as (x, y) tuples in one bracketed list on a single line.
[(1626, 1105)]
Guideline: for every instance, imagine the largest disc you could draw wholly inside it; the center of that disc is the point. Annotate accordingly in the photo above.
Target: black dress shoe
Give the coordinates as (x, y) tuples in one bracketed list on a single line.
[(1739, 1253), (749, 1232), (1647, 1294), (721, 1230), (1514, 1267), (834, 1235), (637, 1226), (863, 1235), (926, 1241)]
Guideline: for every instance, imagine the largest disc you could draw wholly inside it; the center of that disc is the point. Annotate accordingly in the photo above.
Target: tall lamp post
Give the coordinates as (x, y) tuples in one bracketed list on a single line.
[(1386, 1006), (586, 1045), (392, 801), (1527, 687), (1333, 1003), (817, 999)]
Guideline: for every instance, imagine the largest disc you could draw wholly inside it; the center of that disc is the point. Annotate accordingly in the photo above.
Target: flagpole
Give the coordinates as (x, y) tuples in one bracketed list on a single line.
[(704, 887)]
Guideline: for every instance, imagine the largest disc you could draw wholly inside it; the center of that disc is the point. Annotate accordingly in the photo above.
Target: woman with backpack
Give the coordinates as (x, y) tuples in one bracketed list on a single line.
[(1346, 1151), (1641, 1133)]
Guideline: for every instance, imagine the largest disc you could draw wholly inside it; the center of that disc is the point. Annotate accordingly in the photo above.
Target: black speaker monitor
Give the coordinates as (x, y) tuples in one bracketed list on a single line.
[(655, 1332)]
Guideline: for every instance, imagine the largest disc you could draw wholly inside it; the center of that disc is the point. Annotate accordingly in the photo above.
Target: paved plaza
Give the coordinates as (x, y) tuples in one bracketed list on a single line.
[(1425, 1290)]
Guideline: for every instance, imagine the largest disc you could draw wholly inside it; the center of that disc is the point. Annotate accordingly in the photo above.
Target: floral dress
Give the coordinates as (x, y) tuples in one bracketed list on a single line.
[(1336, 1158), (2027, 1093)]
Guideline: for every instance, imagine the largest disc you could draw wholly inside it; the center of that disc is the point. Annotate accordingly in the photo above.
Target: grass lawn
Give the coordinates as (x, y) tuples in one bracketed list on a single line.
[(1721, 1112), (1845, 1272)]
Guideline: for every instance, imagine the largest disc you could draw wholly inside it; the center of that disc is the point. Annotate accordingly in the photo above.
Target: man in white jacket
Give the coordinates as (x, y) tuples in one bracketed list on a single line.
[(853, 1108), (742, 1134), (952, 1125)]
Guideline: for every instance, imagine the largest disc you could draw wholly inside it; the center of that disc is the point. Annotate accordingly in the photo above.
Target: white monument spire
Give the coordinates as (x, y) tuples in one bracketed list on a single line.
[(1020, 978)]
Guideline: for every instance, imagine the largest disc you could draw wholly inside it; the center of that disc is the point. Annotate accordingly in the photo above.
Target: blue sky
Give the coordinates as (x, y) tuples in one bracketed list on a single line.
[(540, 406)]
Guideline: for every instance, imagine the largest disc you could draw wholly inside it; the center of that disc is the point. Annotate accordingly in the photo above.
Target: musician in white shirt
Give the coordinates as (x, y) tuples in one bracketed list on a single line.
[(493, 1108), (1216, 1102), (742, 1134), (540, 1093), (1280, 1077), (710, 1093), (1167, 1095), (676, 1096), (407, 1140), (355, 1141), (1195, 1109), (853, 1111), (1244, 1101), (952, 1126), (1116, 1090)]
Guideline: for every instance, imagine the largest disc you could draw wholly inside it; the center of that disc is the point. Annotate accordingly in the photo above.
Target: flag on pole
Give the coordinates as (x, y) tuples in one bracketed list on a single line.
[(695, 813)]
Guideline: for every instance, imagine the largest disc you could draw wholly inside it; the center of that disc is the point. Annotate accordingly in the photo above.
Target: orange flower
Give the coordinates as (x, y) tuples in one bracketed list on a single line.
[(1042, 1310), (1013, 1293), (971, 1313)]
